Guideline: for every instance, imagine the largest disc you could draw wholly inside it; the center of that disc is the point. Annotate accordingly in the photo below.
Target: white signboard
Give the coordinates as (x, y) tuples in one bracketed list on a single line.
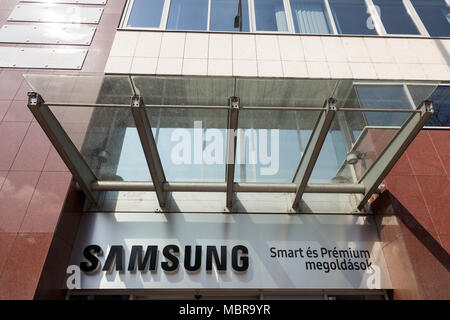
[(263, 251)]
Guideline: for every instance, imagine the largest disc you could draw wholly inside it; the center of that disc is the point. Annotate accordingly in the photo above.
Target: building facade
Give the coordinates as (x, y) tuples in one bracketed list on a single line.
[(238, 129)]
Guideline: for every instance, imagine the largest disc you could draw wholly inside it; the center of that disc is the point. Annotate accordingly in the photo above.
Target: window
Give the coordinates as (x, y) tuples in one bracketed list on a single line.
[(270, 15), (352, 17), (396, 19), (355, 17), (441, 105), (223, 13), (146, 14), (310, 16), (188, 15), (435, 15), (384, 97)]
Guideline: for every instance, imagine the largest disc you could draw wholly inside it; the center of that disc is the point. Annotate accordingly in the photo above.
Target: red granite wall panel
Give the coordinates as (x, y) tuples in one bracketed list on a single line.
[(33, 179), (415, 229)]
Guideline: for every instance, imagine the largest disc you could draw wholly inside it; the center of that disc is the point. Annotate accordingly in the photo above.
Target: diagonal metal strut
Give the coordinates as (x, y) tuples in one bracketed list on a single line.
[(233, 115), (386, 161), (64, 146), (313, 148), (148, 142)]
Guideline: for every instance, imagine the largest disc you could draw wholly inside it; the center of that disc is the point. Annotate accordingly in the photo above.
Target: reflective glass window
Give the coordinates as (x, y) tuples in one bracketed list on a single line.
[(435, 15), (223, 13), (441, 106), (383, 97), (146, 14), (270, 15), (352, 17), (310, 16), (395, 17), (188, 15)]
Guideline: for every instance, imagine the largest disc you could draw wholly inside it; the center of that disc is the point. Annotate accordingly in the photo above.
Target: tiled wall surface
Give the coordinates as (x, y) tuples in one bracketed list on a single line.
[(33, 179), (417, 238), (340, 57)]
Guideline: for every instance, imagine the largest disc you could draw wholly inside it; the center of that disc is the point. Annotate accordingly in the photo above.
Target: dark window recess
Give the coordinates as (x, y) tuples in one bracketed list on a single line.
[(441, 104)]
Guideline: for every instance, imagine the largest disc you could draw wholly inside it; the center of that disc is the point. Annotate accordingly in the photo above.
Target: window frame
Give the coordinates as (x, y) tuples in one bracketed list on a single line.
[(373, 13), (419, 21), (412, 13)]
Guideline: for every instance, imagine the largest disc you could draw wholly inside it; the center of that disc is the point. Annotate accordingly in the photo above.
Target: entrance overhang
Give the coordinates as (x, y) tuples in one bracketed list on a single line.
[(347, 135)]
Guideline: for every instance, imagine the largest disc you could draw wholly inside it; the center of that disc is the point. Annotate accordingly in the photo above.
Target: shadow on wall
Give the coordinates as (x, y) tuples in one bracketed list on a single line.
[(418, 265), (414, 226), (388, 202)]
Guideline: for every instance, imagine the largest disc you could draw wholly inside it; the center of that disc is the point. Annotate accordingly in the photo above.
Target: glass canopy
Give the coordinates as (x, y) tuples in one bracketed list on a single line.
[(167, 133)]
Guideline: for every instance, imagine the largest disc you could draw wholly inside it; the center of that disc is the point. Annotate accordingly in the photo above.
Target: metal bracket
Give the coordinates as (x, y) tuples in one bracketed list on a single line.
[(386, 161), (144, 129), (232, 126), (64, 146), (313, 148)]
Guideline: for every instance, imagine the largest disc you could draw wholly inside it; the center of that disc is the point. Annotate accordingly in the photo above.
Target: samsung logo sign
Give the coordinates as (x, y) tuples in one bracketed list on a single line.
[(147, 260)]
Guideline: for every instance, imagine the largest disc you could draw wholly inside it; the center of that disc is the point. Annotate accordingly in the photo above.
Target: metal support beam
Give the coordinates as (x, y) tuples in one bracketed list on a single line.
[(233, 115), (64, 146), (386, 161), (313, 148), (149, 146), (143, 186)]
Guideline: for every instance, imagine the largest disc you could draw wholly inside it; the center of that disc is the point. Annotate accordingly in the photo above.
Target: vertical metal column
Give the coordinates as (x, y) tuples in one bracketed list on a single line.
[(313, 148), (233, 115), (149, 146), (64, 146), (386, 161)]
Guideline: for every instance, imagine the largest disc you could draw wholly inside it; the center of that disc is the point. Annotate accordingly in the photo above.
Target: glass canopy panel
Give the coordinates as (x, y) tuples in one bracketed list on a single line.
[(352, 145), (282, 93), (276, 121), (357, 138), (191, 143), (107, 139), (439, 95), (382, 97), (77, 89), (270, 144), (208, 91)]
